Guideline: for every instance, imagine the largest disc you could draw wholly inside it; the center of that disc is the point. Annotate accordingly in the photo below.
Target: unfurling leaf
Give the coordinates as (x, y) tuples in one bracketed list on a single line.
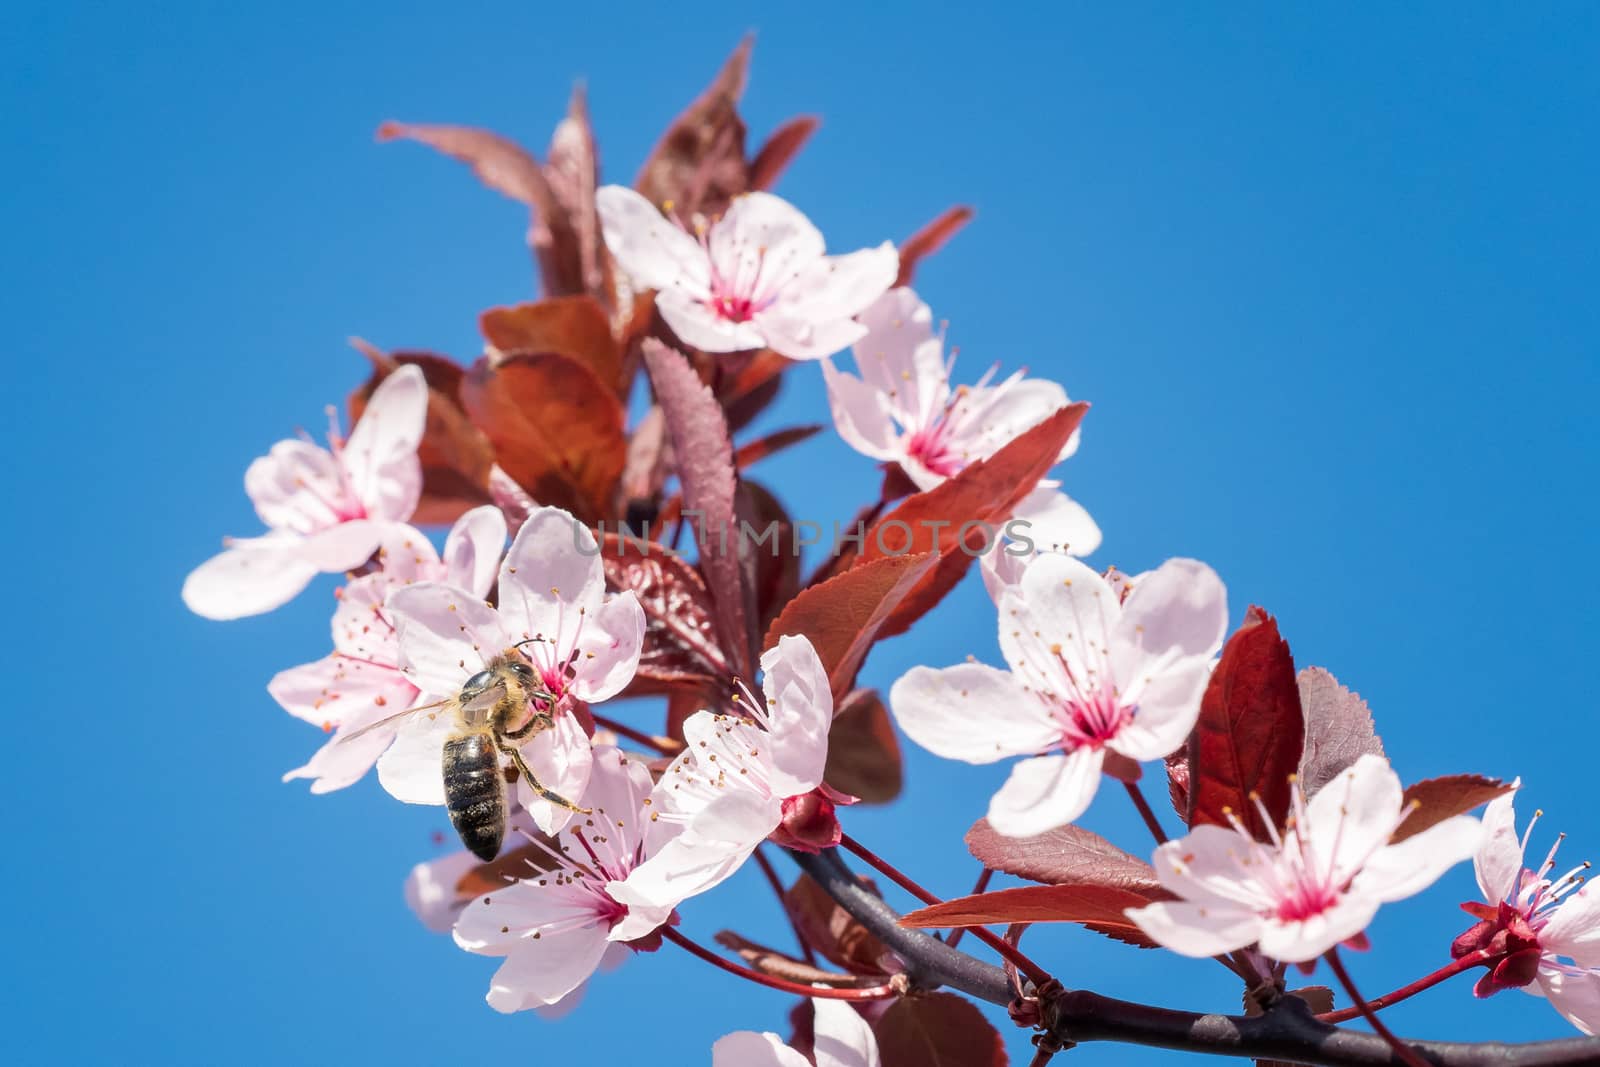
[(835, 934), (680, 636), (704, 457), (698, 165), (775, 570), (572, 326), (454, 454), (779, 149), (1249, 737), (955, 518), (1100, 908), (929, 240), (1065, 855), (1339, 729), (1442, 798), (556, 429), (845, 615), (863, 754), (574, 174), (937, 1030)]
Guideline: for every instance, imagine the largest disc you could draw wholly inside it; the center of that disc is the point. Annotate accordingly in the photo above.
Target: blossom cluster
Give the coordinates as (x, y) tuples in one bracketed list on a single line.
[(496, 657)]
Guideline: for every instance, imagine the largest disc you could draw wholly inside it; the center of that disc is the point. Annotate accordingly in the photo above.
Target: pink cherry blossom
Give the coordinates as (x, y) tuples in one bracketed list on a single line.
[(902, 409), (1090, 675), (361, 681), (553, 610), (326, 510), (1315, 886), (1546, 929), (843, 1039), (740, 774), (554, 925), (756, 277)]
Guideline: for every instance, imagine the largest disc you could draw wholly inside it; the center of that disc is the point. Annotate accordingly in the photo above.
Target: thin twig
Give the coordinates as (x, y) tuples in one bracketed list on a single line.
[(1427, 981), (777, 888), (982, 884), (1018, 959), (881, 992), (1149, 816), (1407, 1056)]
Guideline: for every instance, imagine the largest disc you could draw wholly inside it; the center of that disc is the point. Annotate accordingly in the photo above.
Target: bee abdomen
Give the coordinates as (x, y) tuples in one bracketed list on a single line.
[(475, 793)]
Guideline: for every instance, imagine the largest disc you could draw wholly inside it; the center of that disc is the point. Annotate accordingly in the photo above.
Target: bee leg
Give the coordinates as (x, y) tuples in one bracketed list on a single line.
[(536, 724), (536, 786)]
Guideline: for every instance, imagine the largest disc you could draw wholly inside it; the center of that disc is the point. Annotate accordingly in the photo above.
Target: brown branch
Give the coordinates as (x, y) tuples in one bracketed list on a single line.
[(1285, 1031)]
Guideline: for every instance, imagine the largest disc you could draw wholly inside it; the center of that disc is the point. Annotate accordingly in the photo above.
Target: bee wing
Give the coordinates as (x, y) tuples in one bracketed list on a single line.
[(389, 720)]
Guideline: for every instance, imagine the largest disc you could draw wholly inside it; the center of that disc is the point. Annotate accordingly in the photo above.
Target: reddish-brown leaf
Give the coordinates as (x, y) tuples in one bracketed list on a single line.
[(704, 459), (556, 429), (775, 574), (500, 163), (699, 162), (573, 326), (846, 614), (1065, 855), (954, 519), (1178, 782), (863, 753), (929, 240), (455, 456), (1438, 799), (1099, 907), (751, 383), (834, 932), (573, 174), (785, 142), (753, 451), (1339, 729), (1249, 737), (937, 1030), (680, 636)]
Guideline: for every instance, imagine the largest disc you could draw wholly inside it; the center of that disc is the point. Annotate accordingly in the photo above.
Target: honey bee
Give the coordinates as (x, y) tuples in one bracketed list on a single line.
[(494, 712)]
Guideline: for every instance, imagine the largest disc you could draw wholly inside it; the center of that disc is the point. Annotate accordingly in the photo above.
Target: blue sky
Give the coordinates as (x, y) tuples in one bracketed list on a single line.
[(1327, 277)]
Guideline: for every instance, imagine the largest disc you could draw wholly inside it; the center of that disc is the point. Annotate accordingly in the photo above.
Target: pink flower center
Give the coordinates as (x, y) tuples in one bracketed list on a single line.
[(733, 307), (738, 293), (1092, 719), (1305, 899), (930, 447)]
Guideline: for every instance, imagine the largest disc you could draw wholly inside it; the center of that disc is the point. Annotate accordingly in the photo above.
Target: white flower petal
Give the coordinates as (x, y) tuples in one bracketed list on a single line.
[(1498, 860), (250, 577), (800, 714), (716, 841), (843, 1037), (609, 648), (652, 250), (861, 414), (1357, 811), (1298, 942), (1180, 607), (446, 635), (545, 969), (550, 574), (1574, 928), (697, 324), (1400, 871), (412, 768), (746, 1048), (1197, 930), (563, 760), (1055, 522), (1046, 792), (472, 550), (1205, 866), (381, 455), (1575, 994), (970, 712)]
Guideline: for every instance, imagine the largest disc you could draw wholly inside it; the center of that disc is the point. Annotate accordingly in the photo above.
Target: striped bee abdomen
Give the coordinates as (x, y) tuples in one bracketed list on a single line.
[(475, 793)]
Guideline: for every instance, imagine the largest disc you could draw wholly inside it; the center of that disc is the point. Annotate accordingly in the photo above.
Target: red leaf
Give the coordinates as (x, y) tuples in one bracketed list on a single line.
[(556, 429), (775, 442), (704, 458), (1065, 855), (1441, 798), (500, 163), (846, 614), (1099, 907), (455, 456), (779, 149), (699, 164), (574, 174), (937, 1030), (776, 573), (1249, 736), (835, 933), (680, 640), (863, 753), (572, 326), (1339, 729), (929, 240), (981, 497)]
